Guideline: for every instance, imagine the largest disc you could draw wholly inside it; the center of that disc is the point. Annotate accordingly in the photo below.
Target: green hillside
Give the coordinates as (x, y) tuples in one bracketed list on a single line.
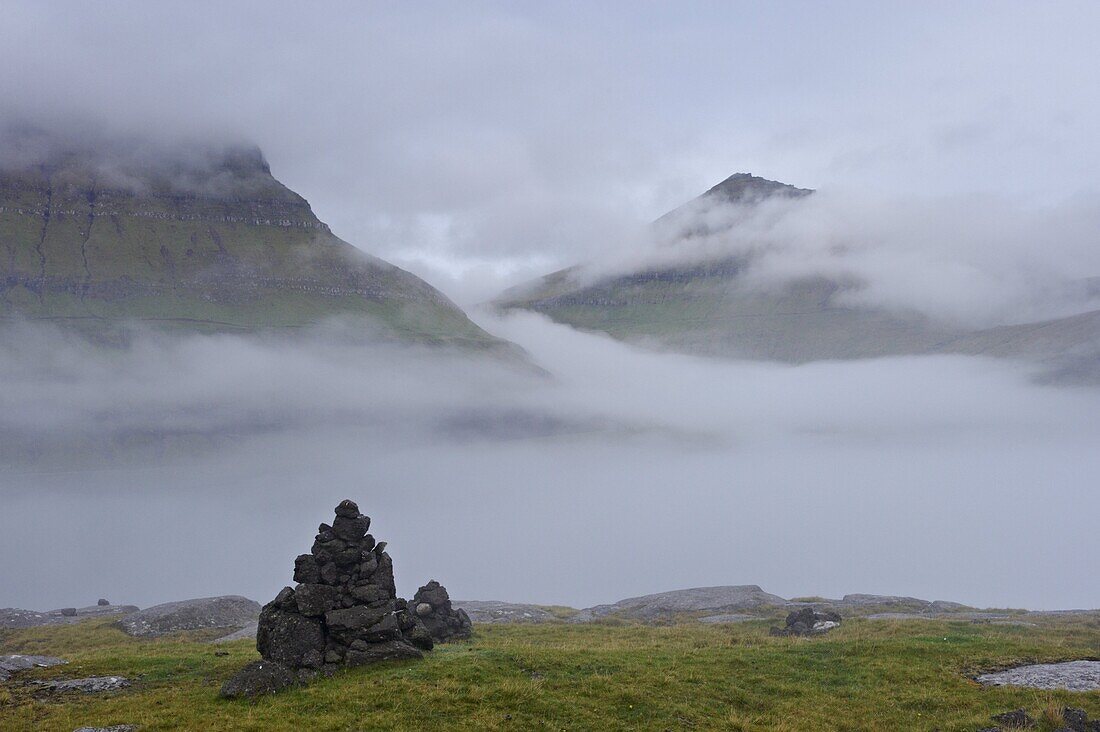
[(202, 239)]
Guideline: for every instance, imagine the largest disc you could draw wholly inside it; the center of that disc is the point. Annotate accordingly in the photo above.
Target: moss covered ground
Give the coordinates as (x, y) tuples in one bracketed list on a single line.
[(866, 675)]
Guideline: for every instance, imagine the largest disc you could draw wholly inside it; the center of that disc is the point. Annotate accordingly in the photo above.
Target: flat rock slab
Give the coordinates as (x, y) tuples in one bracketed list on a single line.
[(227, 611), (90, 685), (1072, 675), (727, 618), (14, 663), (493, 611)]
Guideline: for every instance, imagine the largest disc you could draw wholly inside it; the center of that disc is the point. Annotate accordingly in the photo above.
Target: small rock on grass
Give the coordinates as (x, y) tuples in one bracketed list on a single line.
[(258, 678), (18, 662), (1076, 720), (112, 728), (1016, 719)]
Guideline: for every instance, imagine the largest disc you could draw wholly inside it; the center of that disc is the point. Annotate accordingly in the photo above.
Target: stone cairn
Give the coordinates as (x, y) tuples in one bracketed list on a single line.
[(343, 612), (432, 606)]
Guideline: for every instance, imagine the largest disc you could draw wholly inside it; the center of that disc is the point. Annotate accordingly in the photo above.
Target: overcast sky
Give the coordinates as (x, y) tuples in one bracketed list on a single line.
[(480, 144)]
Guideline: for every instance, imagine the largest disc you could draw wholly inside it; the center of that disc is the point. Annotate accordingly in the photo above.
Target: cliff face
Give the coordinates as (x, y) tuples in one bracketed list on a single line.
[(210, 240)]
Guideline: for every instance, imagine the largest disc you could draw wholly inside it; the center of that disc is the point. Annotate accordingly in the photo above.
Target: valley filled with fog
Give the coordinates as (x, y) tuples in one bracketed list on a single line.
[(199, 465)]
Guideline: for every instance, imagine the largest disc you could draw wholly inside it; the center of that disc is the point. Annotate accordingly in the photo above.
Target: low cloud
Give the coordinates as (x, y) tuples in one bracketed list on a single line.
[(974, 260), (141, 163), (182, 467)]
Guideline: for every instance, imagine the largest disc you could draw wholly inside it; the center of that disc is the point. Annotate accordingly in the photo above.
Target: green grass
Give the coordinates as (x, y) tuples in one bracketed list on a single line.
[(864, 676)]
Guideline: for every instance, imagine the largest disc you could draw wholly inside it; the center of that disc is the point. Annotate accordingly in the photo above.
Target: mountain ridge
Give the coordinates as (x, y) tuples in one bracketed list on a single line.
[(196, 238), (707, 308)]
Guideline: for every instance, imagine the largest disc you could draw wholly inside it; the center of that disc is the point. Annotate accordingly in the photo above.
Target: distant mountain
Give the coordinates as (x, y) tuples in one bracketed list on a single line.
[(708, 308), (98, 233)]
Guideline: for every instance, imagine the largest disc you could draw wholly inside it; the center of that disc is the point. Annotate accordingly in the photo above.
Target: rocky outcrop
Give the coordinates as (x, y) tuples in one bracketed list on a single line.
[(1071, 675), (495, 611), (743, 602), (90, 685), (807, 621), (344, 611), (432, 607), (227, 611), (664, 605), (13, 617), (14, 663)]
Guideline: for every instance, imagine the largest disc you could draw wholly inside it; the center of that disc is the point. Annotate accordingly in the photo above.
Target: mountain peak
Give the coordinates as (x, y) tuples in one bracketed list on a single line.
[(745, 187)]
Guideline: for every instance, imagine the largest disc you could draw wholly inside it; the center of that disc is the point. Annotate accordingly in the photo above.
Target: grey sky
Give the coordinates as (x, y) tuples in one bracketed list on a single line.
[(480, 144)]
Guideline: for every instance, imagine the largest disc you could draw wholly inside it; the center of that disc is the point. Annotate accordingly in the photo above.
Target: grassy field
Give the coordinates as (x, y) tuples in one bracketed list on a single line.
[(867, 675)]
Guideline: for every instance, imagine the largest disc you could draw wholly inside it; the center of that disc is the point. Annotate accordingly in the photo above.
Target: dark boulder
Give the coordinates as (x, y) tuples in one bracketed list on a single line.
[(353, 619), (289, 638), (306, 569), (348, 509), (350, 529), (316, 599), (388, 651), (807, 621), (102, 602), (258, 678), (1075, 719), (1016, 719)]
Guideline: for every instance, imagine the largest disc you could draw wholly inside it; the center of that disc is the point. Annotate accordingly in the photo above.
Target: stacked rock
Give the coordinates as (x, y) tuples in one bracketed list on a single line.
[(432, 606), (344, 611)]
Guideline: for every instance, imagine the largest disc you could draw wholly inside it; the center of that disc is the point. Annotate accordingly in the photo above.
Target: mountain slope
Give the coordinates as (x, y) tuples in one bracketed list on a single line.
[(712, 309), (196, 238)]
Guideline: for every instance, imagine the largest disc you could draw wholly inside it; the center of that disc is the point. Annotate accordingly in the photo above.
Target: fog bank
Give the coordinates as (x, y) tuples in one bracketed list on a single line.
[(628, 472), (971, 260)]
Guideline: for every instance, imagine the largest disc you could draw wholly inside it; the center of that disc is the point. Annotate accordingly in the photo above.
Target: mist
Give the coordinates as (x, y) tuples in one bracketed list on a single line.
[(975, 260), (194, 466)]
